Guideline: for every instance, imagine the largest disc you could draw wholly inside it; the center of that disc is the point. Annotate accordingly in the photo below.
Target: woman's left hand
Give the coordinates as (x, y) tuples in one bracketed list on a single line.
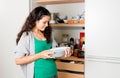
[(68, 52)]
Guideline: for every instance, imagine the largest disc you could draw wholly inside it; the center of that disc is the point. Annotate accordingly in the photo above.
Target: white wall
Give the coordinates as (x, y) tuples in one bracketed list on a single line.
[(71, 10), (73, 32), (102, 39), (12, 16)]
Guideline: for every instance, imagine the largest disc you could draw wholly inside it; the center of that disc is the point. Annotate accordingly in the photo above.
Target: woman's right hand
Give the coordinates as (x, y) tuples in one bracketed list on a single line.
[(46, 54), (28, 59)]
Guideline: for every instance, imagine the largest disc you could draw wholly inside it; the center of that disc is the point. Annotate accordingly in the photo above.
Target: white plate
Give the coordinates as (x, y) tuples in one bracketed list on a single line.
[(59, 51)]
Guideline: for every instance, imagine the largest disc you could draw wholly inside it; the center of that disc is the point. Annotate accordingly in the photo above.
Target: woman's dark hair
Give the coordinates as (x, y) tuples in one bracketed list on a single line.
[(35, 14)]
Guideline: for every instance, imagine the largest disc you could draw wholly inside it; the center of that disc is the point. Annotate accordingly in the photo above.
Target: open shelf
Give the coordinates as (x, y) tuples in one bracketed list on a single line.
[(67, 25), (72, 58), (47, 2)]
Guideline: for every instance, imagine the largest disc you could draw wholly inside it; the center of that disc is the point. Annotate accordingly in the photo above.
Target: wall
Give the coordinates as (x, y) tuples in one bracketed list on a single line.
[(70, 10), (102, 39), (33, 4), (73, 32), (12, 16)]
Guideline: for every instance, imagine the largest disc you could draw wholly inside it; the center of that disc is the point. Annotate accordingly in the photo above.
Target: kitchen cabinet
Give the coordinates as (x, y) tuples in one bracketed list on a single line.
[(49, 2), (70, 67)]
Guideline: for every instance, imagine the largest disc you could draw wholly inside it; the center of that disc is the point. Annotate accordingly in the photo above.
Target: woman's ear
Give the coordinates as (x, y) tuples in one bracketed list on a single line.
[(36, 22)]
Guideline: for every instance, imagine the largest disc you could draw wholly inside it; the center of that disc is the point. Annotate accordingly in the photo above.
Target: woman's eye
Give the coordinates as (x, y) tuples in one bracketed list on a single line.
[(44, 22)]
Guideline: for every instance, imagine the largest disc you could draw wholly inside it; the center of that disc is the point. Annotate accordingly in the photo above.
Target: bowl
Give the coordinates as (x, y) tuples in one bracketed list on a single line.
[(58, 51)]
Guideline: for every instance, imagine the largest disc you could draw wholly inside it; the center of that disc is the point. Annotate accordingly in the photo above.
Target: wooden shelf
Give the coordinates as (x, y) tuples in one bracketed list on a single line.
[(67, 25), (47, 2), (72, 58)]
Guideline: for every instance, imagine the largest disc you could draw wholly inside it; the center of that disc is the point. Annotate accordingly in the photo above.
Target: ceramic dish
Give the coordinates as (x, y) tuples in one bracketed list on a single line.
[(59, 51)]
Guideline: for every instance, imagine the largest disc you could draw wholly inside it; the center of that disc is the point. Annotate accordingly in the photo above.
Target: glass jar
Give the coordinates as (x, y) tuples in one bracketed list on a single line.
[(65, 38)]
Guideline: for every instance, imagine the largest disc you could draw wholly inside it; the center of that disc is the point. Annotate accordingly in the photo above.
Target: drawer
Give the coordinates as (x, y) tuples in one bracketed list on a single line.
[(69, 75), (70, 66)]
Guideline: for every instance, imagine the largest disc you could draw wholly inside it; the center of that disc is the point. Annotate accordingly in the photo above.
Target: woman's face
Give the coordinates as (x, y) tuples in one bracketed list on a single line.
[(42, 23)]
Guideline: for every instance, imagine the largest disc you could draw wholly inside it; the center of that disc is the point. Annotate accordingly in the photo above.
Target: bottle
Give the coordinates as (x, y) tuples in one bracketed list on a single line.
[(72, 41), (83, 46), (76, 46), (71, 44), (82, 51)]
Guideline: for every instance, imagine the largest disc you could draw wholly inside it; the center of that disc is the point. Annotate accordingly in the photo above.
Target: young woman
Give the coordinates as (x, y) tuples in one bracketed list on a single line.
[(33, 44)]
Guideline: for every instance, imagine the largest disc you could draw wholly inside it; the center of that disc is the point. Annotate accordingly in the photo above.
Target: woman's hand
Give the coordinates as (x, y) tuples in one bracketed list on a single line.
[(68, 52), (28, 59), (46, 54)]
